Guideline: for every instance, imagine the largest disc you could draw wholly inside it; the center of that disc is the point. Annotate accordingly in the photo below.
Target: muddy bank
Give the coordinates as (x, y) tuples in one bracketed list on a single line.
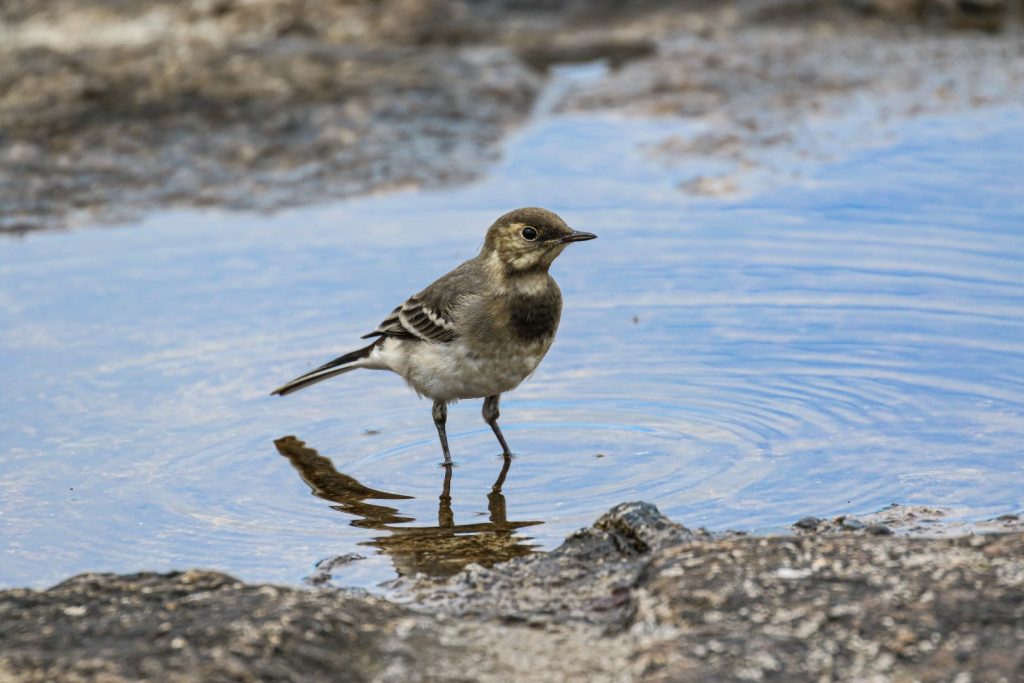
[(107, 108), (635, 597), (803, 93), (100, 132)]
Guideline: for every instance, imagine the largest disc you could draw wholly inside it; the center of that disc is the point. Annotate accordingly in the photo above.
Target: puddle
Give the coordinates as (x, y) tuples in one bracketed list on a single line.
[(824, 348)]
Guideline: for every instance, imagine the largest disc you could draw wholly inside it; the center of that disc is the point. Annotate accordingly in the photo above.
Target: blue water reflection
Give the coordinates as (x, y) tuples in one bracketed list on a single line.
[(823, 348)]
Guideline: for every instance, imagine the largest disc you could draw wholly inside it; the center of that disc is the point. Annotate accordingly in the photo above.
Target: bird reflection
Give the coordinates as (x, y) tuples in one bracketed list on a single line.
[(440, 550)]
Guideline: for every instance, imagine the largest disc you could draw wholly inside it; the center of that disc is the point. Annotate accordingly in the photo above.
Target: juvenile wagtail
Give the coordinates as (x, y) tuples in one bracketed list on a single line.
[(476, 332)]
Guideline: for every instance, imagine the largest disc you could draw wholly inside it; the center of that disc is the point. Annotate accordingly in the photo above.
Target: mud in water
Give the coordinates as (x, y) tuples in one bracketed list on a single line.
[(108, 108)]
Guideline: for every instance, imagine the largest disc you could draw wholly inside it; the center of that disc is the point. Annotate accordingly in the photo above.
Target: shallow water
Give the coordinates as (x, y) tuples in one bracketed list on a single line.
[(830, 346)]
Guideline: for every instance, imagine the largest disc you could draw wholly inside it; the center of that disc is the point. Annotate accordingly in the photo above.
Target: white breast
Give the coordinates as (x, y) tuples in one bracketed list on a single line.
[(452, 371)]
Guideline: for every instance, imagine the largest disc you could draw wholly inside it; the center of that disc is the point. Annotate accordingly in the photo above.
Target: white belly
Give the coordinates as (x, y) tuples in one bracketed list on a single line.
[(448, 372)]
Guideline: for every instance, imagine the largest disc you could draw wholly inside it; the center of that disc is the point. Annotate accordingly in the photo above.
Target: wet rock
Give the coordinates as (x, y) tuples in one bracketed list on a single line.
[(987, 15), (809, 523), (325, 568), (585, 580), (842, 607), (635, 528), (617, 52), (635, 597), (919, 521), (850, 523), (193, 626)]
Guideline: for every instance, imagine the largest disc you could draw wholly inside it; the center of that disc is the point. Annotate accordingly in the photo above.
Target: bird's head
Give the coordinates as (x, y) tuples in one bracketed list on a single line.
[(529, 239)]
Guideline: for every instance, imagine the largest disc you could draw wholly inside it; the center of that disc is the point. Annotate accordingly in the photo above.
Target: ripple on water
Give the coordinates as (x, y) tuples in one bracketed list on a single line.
[(814, 351)]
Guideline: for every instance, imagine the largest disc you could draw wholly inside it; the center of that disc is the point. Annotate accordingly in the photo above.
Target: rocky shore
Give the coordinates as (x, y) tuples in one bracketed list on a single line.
[(634, 597), (108, 108)]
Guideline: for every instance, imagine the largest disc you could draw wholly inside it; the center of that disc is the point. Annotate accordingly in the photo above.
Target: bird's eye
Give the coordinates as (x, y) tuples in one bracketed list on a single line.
[(529, 234)]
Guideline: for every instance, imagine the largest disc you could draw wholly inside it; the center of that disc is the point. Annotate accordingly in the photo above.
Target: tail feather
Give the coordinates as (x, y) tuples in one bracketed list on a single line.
[(338, 366)]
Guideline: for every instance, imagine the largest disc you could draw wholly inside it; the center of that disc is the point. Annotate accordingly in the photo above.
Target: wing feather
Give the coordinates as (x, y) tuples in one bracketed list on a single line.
[(415, 320), (416, 317), (432, 314)]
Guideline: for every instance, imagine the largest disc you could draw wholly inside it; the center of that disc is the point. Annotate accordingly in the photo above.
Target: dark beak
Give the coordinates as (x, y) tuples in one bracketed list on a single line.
[(577, 236)]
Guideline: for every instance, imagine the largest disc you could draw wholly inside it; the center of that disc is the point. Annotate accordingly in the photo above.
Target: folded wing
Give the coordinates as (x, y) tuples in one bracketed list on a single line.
[(416, 320), (432, 315)]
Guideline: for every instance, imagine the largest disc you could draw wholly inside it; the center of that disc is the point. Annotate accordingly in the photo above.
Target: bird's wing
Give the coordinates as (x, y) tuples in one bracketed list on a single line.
[(416, 320), (430, 315)]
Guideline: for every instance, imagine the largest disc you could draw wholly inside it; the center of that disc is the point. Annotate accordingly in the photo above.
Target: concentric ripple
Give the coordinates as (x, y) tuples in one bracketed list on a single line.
[(824, 349)]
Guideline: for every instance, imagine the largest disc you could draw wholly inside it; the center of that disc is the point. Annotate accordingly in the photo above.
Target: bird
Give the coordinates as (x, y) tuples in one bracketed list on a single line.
[(475, 332)]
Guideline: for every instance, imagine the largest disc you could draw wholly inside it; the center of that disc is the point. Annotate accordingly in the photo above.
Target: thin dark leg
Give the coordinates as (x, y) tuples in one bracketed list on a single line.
[(440, 417), (490, 414)]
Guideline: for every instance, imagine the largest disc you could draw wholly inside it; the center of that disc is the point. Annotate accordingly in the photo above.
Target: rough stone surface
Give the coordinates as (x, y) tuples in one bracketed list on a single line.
[(584, 581), (199, 626), (844, 608), (636, 597), (920, 521)]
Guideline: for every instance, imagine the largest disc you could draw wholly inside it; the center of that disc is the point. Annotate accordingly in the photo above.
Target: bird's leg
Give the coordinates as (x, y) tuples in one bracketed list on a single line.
[(490, 413), (440, 413)]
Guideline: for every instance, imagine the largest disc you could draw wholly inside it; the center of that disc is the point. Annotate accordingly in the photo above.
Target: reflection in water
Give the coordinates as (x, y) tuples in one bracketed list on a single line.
[(822, 349), (440, 550)]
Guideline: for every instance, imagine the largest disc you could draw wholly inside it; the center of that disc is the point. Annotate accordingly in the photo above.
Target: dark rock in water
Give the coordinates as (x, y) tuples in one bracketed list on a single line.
[(987, 15), (639, 527), (635, 597), (851, 523), (325, 568), (808, 523), (915, 520)]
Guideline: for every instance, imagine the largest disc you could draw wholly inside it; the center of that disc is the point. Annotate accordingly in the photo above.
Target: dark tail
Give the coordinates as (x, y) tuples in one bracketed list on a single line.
[(338, 366)]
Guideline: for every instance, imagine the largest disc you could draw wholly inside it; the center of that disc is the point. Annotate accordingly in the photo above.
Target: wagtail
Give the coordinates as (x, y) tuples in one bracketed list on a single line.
[(476, 332)]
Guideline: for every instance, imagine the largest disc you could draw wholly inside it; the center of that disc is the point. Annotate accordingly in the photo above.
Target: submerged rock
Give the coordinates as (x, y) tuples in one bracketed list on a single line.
[(635, 597), (920, 521)]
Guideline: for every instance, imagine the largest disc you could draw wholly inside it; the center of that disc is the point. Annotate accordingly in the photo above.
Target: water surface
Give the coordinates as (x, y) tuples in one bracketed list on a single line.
[(824, 347)]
